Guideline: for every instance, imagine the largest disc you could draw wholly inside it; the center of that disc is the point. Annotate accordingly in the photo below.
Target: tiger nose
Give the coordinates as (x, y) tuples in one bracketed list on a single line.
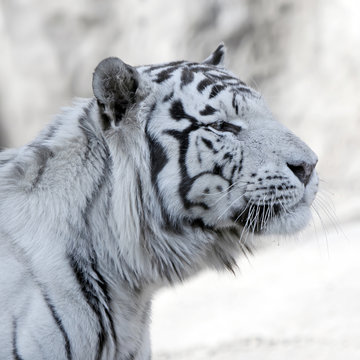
[(302, 171)]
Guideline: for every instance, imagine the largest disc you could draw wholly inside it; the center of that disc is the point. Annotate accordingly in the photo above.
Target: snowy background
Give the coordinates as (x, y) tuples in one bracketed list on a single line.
[(295, 299)]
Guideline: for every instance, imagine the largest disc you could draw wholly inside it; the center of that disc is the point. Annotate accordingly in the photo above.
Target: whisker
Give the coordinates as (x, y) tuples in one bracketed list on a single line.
[(245, 208), (268, 213), (231, 204), (245, 229), (262, 224), (328, 207), (228, 193), (323, 227), (227, 189), (255, 220)]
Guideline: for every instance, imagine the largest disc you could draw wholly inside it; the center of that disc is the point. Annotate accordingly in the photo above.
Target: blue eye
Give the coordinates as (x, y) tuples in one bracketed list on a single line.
[(226, 127)]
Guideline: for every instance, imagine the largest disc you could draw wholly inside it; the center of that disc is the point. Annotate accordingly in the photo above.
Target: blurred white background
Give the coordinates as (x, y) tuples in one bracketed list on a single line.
[(299, 300)]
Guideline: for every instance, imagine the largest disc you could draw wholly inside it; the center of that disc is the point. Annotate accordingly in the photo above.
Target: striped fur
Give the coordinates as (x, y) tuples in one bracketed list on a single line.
[(162, 174)]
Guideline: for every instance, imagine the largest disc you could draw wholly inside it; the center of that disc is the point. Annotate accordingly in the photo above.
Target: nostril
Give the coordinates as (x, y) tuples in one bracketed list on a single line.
[(302, 171)]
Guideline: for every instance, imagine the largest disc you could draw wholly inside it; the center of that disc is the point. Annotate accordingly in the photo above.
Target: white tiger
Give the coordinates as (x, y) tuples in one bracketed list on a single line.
[(158, 176)]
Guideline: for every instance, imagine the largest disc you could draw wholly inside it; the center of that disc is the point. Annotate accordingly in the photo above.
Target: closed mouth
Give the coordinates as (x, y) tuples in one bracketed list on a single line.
[(254, 218)]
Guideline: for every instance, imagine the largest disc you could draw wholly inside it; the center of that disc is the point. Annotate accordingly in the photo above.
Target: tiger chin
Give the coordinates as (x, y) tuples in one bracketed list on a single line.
[(164, 172)]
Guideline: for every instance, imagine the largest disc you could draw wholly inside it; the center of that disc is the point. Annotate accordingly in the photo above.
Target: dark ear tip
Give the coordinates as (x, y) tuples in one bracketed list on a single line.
[(221, 47), (217, 57), (110, 65), (111, 76), (106, 69)]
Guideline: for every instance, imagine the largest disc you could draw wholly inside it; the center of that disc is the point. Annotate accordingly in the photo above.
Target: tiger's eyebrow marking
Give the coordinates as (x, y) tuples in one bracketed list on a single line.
[(203, 84), (216, 90), (208, 110)]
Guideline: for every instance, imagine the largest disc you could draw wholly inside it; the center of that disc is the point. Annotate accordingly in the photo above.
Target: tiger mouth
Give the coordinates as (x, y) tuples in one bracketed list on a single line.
[(254, 218)]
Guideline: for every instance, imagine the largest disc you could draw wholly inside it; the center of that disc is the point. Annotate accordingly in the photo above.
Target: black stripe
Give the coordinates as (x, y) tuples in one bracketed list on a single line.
[(105, 120), (165, 74), (89, 289), (162, 66), (15, 351), (209, 110), (177, 110), (206, 69), (187, 76), (158, 160), (228, 156), (199, 223), (140, 192), (218, 169), (168, 97), (243, 89), (235, 104), (183, 138), (60, 325), (186, 181), (105, 290), (216, 89), (203, 84), (198, 150), (208, 143)]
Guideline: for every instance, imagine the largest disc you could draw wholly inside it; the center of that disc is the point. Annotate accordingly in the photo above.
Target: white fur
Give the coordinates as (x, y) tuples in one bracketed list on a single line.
[(87, 235)]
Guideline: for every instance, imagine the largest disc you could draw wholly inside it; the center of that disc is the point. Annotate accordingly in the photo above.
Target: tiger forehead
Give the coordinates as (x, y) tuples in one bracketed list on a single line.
[(207, 93), (200, 75)]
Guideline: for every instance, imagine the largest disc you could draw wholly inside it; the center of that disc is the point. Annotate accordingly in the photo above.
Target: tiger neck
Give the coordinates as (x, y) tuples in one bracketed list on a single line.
[(124, 217)]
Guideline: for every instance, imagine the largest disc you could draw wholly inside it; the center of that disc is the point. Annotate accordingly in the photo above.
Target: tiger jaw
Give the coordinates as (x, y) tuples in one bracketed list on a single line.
[(279, 208), (276, 216), (272, 203), (281, 212)]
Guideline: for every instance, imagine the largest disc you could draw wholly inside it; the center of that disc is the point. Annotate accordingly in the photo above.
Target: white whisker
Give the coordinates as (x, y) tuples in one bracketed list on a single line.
[(323, 227), (229, 207), (227, 189)]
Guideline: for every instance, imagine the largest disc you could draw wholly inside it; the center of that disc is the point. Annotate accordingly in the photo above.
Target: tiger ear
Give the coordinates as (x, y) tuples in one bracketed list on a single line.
[(114, 86), (217, 57)]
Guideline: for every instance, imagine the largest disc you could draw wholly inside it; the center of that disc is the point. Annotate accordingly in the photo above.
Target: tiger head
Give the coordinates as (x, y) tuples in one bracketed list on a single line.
[(217, 157)]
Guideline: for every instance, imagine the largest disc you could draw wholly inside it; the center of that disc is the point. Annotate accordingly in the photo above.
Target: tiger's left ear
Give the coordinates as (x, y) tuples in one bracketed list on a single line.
[(217, 57), (114, 86)]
